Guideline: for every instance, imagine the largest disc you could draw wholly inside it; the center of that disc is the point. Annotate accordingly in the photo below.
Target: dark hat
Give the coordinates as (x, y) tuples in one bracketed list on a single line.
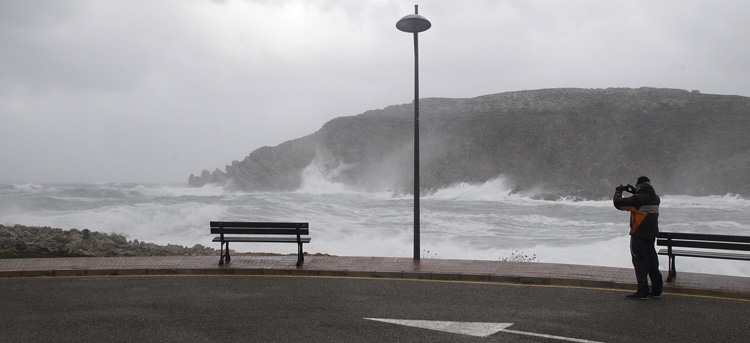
[(641, 180)]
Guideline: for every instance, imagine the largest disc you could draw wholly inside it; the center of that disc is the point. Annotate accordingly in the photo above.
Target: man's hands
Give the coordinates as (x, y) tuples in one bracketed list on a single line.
[(626, 188)]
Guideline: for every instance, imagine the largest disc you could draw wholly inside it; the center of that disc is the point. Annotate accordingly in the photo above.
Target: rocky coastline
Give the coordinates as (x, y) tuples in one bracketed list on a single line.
[(29, 241)]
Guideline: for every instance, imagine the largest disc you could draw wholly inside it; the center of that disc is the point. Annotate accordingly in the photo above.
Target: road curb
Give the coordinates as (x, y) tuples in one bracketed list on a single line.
[(536, 274)]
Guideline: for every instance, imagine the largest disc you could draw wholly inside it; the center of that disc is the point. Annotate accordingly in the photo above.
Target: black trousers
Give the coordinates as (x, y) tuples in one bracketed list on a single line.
[(646, 264)]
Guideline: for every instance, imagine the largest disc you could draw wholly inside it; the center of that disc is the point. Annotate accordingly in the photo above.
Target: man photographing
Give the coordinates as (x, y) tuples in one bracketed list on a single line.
[(643, 206)]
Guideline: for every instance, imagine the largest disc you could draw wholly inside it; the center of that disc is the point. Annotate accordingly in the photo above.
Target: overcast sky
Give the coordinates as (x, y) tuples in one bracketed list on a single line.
[(152, 91)]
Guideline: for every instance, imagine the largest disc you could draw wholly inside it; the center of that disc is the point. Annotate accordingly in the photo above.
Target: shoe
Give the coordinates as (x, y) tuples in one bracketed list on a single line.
[(636, 296), (655, 296)]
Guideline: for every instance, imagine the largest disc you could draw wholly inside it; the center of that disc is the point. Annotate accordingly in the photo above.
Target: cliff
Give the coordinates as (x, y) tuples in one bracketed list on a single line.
[(557, 142)]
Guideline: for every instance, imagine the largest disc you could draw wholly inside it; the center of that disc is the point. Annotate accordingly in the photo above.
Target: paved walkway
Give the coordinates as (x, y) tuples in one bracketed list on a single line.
[(376, 267)]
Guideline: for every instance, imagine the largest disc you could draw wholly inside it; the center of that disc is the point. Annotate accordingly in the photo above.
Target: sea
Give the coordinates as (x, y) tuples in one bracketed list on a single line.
[(467, 221)]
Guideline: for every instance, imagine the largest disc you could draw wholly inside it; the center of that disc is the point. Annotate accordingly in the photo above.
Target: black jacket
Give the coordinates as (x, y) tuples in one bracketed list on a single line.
[(644, 210)]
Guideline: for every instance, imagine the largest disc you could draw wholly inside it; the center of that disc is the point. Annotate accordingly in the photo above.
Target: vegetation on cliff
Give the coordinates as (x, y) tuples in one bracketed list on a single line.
[(550, 143)]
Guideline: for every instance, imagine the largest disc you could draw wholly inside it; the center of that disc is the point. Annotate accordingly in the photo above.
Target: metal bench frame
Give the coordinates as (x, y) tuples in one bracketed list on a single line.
[(705, 242), (260, 232)]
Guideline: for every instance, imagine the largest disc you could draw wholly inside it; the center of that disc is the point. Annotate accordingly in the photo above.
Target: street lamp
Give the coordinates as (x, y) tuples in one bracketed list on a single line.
[(415, 23)]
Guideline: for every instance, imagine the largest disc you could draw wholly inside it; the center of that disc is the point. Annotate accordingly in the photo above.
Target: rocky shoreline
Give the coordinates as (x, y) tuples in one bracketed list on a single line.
[(29, 241)]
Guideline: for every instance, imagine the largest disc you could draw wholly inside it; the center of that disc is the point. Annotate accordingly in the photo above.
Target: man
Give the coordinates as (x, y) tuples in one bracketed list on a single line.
[(644, 226)]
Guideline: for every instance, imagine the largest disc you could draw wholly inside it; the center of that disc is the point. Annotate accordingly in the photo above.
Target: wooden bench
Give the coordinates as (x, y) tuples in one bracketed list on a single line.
[(260, 232), (706, 243)]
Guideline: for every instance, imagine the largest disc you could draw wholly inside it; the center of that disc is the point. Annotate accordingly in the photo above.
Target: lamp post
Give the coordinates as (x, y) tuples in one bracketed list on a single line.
[(415, 23)]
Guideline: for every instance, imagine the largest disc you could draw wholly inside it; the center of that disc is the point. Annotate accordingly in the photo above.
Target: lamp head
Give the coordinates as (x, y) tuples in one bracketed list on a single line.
[(413, 23)]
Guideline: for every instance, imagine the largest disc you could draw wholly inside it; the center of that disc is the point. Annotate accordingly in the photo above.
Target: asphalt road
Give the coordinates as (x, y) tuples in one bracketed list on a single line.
[(313, 309)]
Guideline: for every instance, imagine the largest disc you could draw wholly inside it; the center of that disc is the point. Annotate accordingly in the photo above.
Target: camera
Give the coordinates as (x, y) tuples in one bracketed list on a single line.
[(626, 188)]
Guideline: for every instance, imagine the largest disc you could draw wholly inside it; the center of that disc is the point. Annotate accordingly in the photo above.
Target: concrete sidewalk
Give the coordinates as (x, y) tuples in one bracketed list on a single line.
[(377, 267)]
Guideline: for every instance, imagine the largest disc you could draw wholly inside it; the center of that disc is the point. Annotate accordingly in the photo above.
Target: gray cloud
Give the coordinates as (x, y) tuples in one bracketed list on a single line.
[(131, 91)]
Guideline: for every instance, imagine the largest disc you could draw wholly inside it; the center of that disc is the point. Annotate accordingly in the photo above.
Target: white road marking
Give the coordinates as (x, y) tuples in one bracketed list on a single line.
[(476, 329), (464, 328)]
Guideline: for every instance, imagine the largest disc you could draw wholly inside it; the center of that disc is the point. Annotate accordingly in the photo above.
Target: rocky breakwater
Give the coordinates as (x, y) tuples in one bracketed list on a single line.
[(26, 241)]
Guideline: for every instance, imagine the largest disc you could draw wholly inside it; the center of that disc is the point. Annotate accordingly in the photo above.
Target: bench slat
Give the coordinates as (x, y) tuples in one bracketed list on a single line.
[(273, 225), (706, 254), (259, 231), (263, 239), (703, 244), (703, 237)]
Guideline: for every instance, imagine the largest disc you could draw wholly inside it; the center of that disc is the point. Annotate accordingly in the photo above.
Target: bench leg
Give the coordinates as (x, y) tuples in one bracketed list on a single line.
[(300, 255), (672, 271), (224, 254), (221, 255)]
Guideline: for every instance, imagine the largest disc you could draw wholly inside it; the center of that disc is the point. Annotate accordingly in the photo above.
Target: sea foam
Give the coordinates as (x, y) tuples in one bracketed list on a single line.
[(476, 222)]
